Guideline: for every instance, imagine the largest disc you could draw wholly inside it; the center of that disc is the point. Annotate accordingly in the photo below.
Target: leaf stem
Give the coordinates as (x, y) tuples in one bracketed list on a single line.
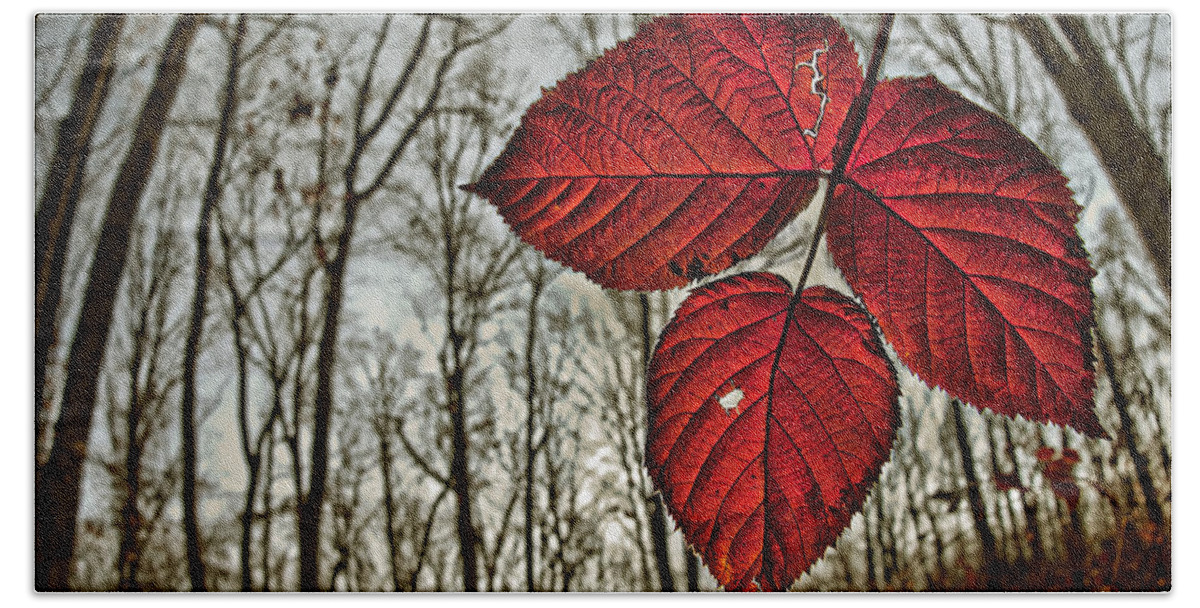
[(847, 137)]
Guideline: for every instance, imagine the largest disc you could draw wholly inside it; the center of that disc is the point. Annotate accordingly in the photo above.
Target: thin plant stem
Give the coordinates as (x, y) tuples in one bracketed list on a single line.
[(847, 137)]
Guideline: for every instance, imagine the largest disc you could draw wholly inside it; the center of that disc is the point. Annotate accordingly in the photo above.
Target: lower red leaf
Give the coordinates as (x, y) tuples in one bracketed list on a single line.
[(769, 421)]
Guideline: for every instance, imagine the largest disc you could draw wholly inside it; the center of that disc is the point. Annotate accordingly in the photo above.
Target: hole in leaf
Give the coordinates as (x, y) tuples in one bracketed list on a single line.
[(731, 400)]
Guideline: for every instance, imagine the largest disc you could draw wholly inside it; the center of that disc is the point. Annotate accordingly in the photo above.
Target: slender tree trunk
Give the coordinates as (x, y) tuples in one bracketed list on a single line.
[(310, 508), (869, 545), (1141, 464), (1093, 98), (658, 513), (389, 505), (191, 348), (459, 463), (268, 477), (459, 470), (131, 517), (58, 481), (536, 286), (249, 455), (129, 553), (314, 499), (55, 213), (247, 521), (658, 529), (987, 540), (693, 568)]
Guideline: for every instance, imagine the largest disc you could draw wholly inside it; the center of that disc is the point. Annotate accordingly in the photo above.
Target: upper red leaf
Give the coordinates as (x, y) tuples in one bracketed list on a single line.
[(768, 423), (681, 151), (960, 237)]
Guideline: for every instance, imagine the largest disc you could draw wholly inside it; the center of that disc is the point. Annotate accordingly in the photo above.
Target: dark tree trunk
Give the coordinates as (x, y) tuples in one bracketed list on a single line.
[(247, 522), (191, 348), (389, 504), (58, 481), (658, 513), (55, 213), (537, 283), (693, 568), (311, 506), (459, 462), (1141, 464), (249, 454), (129, 552), (987, 540), (1093, 98), (268, 515), (869, 542)]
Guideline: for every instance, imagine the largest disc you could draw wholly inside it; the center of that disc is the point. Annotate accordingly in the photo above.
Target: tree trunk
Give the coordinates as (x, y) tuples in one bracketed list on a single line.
[(191, 348), (389, 504), (311, 506), (987, 540), (536, 286), (693, 568), (1094, 99), (55, 213), (129, 552), (250, 456), (460, 475), (268, 477), (58, 481), (459, 461), (658, 512), (1141, 464)]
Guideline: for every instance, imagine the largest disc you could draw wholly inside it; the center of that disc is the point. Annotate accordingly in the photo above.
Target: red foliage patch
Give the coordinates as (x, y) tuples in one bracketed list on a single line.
[(762, 486), (681, 151), (686, 149), (960, 237)]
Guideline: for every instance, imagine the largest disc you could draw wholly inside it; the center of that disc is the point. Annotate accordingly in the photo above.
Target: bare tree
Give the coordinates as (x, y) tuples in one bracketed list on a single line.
[(212, 194), (58, 480), (359, 188), (64, 181), (458, 241), (384, 372), (1090, 88), (153, 329), (615, 385)]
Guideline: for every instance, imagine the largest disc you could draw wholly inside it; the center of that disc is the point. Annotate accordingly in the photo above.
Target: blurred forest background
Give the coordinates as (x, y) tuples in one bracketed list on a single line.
[(277, 348)]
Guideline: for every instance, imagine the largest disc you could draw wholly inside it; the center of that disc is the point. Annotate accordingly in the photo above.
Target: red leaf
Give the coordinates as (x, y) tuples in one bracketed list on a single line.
[(681, 151), (763, 486), (960, 237)]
